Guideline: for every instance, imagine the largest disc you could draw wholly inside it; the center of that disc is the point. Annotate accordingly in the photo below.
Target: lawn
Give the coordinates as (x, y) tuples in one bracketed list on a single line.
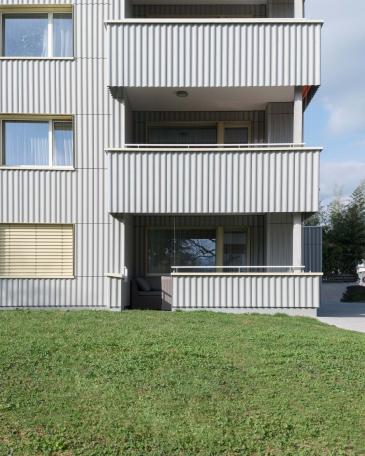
[(189, 384)]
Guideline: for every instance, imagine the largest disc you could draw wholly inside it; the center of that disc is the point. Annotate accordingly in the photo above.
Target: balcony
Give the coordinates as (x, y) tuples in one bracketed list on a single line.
[(214, 179), (214, 53)]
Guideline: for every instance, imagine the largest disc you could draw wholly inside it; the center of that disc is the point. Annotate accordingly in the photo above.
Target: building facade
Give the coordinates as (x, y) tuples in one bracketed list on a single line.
[(152, 154)]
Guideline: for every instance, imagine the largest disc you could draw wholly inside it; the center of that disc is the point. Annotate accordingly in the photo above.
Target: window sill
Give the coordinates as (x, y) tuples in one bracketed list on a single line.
[(36, 58), (37, 168)]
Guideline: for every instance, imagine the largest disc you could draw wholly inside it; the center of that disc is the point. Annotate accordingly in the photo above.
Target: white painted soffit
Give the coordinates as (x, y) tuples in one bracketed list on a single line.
[(207, 99)]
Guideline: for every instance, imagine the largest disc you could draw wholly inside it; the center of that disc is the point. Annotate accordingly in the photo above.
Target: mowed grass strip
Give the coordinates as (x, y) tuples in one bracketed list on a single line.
[(150, 383)]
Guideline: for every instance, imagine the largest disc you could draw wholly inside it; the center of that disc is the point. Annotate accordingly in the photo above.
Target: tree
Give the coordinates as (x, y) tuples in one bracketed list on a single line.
[(344, 233)]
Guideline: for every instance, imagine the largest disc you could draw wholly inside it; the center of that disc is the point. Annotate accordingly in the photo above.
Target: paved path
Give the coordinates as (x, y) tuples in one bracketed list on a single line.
[(346, 315)]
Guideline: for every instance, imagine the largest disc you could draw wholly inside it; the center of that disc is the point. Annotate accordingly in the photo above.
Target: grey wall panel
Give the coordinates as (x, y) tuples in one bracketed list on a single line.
[(279, 123), (279, 240), (142, 118), (37, 86), (45, 196), (312, 248), (280, 8), (193, 11), (213, 182), (256, 225), (166, 54), (80, 292), (255, 291)]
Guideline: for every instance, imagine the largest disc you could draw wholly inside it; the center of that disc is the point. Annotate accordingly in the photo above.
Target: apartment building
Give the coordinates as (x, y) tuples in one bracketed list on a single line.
[(152, 154)]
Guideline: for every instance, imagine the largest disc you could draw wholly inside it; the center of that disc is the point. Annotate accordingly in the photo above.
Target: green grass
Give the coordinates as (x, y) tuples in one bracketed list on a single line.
[(149, 383)]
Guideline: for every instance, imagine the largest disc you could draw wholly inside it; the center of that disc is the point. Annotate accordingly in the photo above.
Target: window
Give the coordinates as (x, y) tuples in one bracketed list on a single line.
[(195, 247), (183, 135), (37, 35), (200, 133), (189, 247), (235, 248), (36, 251), (37, 143)]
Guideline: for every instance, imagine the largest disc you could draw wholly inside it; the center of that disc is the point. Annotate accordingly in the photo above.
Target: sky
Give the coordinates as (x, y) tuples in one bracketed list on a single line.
[(335, 119)]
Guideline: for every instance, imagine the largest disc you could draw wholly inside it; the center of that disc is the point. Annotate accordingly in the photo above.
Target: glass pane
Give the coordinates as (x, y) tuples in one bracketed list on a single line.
[(235, 248), (160, 251), (25, 35), (195, 248), (62, 35), (63, 143), (190, 248), (236, 135), (183, 135), (25, 143)]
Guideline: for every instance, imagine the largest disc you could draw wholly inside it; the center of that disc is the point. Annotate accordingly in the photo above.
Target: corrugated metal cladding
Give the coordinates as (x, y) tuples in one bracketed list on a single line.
[(184, 11), (193, 182), (256, 223), (196, 54), (141, 119), (58, 86), (295, 291), (312, 248)]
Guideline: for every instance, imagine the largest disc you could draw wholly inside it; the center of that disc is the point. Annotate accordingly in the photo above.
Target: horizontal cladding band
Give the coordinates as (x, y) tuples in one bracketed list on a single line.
[(213, 21)]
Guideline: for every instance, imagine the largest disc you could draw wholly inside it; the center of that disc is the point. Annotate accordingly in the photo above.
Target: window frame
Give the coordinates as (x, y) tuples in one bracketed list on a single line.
[(51, 137), (220, 126), (219, 255), (22, 10)]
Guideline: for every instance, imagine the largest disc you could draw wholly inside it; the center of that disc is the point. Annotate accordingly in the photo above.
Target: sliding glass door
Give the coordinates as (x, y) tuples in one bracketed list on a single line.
[(217, 246)]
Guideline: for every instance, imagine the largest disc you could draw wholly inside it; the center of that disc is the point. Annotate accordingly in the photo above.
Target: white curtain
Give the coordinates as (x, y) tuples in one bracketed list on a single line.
[(63, 143), (26, 143), (62, 35)]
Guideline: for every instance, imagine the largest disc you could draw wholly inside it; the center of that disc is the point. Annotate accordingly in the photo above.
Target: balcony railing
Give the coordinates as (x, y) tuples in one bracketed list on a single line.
[(218, 179), (235, 269), (214, 52)]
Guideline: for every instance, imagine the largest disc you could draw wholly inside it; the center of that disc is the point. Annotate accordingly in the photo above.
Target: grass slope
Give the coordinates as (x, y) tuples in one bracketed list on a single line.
[(149, 383)]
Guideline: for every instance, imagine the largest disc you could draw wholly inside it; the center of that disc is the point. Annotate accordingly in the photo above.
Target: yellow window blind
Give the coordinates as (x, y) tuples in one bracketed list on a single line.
[(36, 251)]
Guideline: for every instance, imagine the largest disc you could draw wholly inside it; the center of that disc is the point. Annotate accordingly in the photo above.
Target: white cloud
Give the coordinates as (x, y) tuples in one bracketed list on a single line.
[(343, 74), (349, 173)]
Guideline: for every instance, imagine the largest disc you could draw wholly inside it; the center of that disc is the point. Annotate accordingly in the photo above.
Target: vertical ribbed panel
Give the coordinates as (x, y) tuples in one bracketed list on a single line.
[(170, 54), (190, 182), (246, 291), (73, 87), (312, 248)]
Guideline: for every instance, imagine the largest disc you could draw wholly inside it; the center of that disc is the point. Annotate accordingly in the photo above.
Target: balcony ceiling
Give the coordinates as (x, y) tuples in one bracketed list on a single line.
[(209, 99)]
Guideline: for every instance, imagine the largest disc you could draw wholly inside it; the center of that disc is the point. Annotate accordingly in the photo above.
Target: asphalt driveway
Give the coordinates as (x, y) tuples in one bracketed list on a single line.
[(346, 315)]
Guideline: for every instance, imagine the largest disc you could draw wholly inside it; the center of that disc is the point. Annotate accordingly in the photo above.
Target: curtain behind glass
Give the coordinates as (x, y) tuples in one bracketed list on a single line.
[(63, 143), (235, 248), (183, 135), (62, 35), (25, 35), (235, 135), (26, 143)]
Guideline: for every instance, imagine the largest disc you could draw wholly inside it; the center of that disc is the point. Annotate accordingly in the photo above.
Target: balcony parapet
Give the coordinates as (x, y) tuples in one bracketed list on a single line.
[(214, 52), (246, 292), (213, 180)]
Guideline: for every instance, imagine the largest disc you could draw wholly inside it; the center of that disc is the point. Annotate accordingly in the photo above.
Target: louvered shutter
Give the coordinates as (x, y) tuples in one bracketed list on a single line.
[(36, 251)]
